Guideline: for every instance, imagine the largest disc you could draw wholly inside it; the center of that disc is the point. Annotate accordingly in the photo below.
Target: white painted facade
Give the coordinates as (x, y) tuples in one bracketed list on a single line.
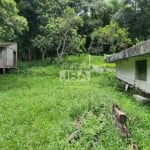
[(126, 71), (8, 55)]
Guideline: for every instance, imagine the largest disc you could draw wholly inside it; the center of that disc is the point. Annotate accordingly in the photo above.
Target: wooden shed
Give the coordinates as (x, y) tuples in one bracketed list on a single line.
[(8, 55), (133, 66)]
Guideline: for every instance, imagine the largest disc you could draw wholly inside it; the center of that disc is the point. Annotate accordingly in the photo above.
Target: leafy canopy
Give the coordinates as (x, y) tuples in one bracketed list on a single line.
[(11, 24), (112, 36), (60, 33)]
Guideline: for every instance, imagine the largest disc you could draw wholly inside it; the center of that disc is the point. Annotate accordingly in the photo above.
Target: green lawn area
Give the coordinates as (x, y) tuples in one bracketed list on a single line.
[(38, 110)]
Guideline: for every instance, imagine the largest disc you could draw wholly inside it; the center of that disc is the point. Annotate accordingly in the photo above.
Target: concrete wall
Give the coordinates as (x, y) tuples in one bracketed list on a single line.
[(3, 58), (126, 71), (135, 51), (0, 58)]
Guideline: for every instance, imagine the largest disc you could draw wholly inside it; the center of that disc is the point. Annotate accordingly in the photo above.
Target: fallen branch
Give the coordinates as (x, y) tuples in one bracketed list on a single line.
[(75, 134), (134, 146), (121, 116), (120, 121)]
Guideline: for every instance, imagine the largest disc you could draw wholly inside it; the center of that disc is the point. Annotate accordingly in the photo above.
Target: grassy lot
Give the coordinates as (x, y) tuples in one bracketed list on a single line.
[(38, 111)]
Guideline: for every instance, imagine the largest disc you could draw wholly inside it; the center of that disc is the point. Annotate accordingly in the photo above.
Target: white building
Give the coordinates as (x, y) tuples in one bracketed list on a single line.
[(133, 66), (8, 55)]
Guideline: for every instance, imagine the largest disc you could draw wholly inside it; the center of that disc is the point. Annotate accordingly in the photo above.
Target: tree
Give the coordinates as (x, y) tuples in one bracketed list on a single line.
[(115, 6), (11, 24), (95, 13), (61, 27), (110, 37), (60, 34), (134, 16), (38, 14), (28, 10)]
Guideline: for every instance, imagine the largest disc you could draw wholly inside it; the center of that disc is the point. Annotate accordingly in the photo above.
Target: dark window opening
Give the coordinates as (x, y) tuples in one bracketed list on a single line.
[(141, 70), (14, 59)]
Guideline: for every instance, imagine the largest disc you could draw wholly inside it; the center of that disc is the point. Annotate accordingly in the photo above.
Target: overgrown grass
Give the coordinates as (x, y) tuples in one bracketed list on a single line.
[(38, 111), (94, 60)]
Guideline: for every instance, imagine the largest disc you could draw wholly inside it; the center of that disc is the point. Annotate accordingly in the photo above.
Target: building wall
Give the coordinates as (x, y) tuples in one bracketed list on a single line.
[(10, 55), (0, 58), (126, 71), (7, 56), (3, 58)]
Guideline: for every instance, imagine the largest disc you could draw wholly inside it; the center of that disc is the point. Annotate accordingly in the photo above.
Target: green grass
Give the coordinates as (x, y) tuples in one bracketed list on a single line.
[(94, 60), (38, 111)]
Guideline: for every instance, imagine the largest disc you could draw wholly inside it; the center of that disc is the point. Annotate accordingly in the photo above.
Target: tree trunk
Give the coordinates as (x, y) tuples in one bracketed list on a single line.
[(29, 55), (43, 55)]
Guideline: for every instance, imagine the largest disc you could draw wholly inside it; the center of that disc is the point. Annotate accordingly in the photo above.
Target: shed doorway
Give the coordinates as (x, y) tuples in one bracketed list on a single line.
[(14, 58)]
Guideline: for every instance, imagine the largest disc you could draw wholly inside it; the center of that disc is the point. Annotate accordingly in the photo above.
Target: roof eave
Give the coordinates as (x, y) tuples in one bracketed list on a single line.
[(138, 50)]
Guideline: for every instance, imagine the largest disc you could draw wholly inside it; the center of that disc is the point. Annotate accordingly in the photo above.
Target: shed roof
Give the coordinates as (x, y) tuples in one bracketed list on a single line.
[(5, 44), (138, 50)]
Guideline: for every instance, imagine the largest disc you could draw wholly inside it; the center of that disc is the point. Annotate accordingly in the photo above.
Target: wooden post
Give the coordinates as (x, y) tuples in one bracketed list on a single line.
[(89, 61), (4, 70)]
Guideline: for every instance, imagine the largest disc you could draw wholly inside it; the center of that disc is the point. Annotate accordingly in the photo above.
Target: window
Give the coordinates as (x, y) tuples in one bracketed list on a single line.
[(141, 70)]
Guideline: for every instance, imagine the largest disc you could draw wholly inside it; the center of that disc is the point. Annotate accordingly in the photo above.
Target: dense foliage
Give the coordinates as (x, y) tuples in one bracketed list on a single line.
[(60, 33), (111, 37), (11, 24), (62, 27)]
